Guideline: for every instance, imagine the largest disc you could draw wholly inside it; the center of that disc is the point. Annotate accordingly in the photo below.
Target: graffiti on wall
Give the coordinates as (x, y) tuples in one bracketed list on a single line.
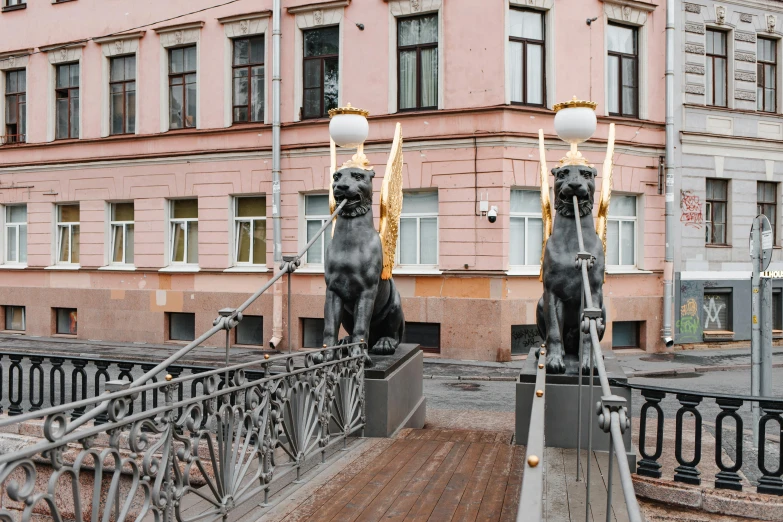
[(688, 327), (523, 338), (715, 312), (690, 209)]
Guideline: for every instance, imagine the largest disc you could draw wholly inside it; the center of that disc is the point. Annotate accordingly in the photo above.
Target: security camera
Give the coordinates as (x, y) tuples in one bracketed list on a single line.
[(669, 342), (492, 215)]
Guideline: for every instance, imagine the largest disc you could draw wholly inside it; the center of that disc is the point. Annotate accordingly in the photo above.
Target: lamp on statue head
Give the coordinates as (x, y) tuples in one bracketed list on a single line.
[(575, 123), (348, 128)]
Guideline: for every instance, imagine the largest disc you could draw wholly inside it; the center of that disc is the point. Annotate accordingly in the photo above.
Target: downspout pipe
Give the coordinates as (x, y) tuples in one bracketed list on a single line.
[(277, 301), (668, 261)]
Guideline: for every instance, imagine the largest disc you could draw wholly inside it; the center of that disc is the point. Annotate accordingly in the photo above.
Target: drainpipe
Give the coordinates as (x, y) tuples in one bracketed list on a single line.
[(277, 300), (668, 261)]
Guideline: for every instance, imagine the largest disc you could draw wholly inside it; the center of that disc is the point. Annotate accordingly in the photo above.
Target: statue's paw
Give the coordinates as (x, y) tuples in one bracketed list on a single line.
[(555, 363), (586, 366), (344, 340), (368, 362), (317, 357), (384, 346)]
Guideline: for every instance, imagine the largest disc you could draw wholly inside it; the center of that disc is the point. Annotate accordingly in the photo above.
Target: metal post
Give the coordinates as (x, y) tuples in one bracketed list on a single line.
[(589, 438), (579, 393), (765, 375), (755, 332), (609, 479), (277, 298), (228, 355), (288, 339), (668, 259)]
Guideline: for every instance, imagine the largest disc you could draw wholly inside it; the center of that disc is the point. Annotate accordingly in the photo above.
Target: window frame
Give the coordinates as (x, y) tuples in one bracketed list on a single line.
[(183, 75), (542, 44), (247, 219), (18, 4), (69, 95), (620, 220), (710, 57), (418, 216), (249, 66), (729, 312), (324, 113), (57, 323), (761, 205), (244, 323), (710, 212), (621, 57), (418, 48), (125, 92), (5, 319), (313, 217), (61, 227), (113, 224), (761, 76), (173, 222), (526, 216), (169, 318), (21, 106), (7, 224)]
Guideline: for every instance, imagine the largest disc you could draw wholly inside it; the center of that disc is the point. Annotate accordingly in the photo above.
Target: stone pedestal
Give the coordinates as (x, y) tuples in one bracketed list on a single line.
[(394, 392), (562, 399)]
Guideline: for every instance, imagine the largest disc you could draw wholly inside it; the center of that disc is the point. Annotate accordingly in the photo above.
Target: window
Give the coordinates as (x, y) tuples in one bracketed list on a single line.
[(122, 233), (15, 106), (16, 234), (716, 68), (248, 79), (122, 89), (250, 231), (184, 231), (14, 318), (66, 321), (250, 330), (312, 333), (182, 327), (527, 228), (766, 197), (527, 57), (777, 317), (524, 337), (67, 101), (621, 231), (417, 62), (623, 70), (766, 77), (426, 335), (321, 63), (715, 211), (625, 334), (716, 310), (182, 87), (316, 214), (14, 4), (68, 234), (418, 242)]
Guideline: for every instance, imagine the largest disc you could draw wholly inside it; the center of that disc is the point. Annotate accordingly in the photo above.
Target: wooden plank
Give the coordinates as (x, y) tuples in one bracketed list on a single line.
[(492, 503), (429, 497), (474, 492), (446, 458), (555, 488), (597, 491), (619, 507), (452, 494), (473, 436), (514, 487), (488, 436), (380, 504), (575, 491), (459, 436), (353, 507)]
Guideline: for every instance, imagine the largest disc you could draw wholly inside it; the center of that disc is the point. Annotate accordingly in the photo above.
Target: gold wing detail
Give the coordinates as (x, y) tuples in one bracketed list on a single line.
[(546, 204), (606, 189), (391, 203)]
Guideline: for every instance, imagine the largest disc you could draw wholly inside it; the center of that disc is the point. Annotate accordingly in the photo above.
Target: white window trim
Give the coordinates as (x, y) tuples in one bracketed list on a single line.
[(172, 265), (308, 266), (4, 226), (181, 35), (243, 26), (15, 60), (548, 7), (636, 228), (730, 66), (110, 237), (632, 14), (404, 8), (59, 55), (235, 237), (313, 16), (418, 267), (115, 47), (527, 268), (69, 225)]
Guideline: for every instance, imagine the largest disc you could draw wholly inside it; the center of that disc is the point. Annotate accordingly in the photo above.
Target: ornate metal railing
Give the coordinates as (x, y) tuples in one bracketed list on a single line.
[(767, 480)]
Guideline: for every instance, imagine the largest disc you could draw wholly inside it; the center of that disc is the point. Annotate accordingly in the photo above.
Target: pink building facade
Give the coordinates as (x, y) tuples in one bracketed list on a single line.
[(135, 165)]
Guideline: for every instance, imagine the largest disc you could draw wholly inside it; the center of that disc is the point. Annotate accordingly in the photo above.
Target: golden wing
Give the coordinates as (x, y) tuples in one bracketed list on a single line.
[(546, 204), (391, 204), (332, 170), (606, 189)]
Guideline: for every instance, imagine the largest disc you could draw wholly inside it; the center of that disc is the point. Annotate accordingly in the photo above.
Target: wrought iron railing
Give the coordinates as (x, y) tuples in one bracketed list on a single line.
[(8, 139), (177, 442), (731, 407)]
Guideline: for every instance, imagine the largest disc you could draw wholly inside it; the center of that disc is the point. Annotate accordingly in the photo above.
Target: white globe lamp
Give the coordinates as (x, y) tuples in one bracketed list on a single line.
[(348, 126), (575, 123)]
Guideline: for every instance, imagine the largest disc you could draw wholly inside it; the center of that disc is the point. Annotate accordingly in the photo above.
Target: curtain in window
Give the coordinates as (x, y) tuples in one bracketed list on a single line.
[(407, 79), (535, 71), (516, 71), (516, 254), (408, 241), (429, 77)]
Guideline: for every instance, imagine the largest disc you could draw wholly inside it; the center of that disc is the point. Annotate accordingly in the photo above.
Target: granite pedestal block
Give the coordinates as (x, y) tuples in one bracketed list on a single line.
[(562, 399), (394, 392)]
